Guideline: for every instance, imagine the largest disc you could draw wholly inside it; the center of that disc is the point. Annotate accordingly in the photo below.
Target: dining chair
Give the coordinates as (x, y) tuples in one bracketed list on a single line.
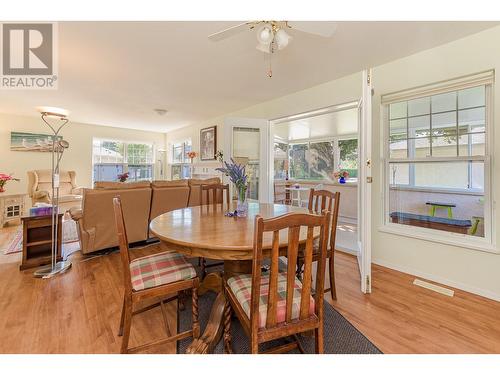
[(212, 195), (279, 192), (276, 304), (320, 200), (214, 198), (153, 276)]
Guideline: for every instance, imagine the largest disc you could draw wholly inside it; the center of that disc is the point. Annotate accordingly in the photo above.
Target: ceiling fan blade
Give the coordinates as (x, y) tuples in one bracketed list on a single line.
[(322, 28), (229, 32)]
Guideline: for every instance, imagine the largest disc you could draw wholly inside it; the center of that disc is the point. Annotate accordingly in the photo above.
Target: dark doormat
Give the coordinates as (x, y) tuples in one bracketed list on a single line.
[(340, 336)]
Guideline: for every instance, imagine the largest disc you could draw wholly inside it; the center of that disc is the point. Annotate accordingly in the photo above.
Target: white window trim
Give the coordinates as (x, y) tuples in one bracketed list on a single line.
[(488, 243), (125, 151)]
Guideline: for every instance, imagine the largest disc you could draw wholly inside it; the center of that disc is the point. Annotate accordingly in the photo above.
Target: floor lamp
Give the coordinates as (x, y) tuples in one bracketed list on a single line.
[(59, 118)]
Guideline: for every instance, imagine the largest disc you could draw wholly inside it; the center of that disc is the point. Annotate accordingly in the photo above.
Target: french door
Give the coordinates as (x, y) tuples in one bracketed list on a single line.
[(246, 140)]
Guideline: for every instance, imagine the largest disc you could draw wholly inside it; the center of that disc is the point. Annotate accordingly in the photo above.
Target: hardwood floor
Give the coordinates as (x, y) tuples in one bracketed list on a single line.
[(399, 317), (79, 312)]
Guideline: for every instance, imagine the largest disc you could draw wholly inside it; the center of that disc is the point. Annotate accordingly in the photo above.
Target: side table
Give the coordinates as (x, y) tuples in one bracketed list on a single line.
[(37, 240)]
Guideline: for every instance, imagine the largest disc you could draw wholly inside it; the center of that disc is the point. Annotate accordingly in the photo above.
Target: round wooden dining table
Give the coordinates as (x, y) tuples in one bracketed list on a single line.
[(205, 231)]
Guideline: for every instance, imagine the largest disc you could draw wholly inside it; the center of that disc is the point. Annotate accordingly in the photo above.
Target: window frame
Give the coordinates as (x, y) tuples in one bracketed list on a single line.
[(125, 164), (486, 243)]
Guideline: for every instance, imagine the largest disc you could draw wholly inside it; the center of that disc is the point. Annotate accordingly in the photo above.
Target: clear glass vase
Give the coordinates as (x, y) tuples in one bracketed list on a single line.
[(242, 205)]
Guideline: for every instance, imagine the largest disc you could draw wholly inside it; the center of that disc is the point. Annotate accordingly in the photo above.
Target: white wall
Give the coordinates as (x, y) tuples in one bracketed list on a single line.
[(471, 270), (78, 157)]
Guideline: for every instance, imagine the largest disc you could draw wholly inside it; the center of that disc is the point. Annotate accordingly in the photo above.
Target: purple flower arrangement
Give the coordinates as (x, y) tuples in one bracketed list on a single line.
[(237, 175)]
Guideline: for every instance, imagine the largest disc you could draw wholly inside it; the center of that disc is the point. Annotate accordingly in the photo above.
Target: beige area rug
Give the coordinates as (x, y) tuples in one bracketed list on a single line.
[(70, 240), (14, 242)]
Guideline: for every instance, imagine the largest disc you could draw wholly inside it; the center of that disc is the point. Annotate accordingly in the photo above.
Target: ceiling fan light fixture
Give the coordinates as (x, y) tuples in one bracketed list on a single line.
[(265, 34), (282, 38)]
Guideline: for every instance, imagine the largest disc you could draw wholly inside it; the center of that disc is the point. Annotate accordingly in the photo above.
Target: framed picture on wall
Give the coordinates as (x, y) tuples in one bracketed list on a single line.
[(208, 143), (31, 142)]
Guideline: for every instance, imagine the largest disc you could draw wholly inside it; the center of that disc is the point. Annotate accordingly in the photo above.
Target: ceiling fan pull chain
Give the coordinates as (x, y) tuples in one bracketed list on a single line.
[(271, 52), (270, 72)]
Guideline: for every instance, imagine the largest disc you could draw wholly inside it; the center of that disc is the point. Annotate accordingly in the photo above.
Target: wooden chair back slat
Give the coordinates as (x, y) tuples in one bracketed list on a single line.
[(256, 273), (214, 194), (307, 277), (334, 220), (272, 303), (291, 222), (122, 241), (292, 252)]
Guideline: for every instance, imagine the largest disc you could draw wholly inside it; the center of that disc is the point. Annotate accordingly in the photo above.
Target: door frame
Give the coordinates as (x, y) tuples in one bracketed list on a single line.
[(365, 180)]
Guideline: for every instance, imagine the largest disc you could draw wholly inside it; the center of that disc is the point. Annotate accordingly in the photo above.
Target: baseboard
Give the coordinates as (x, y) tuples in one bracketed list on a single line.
[(440, 280), (347, 220), (346, 250)]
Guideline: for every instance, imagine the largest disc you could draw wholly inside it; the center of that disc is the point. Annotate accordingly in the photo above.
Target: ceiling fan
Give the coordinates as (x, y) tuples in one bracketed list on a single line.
[(272, 36)]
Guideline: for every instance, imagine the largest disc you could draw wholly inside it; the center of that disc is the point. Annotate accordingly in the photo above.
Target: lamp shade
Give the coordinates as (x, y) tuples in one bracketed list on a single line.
[(53, 112), (265, 34), (282, 38)]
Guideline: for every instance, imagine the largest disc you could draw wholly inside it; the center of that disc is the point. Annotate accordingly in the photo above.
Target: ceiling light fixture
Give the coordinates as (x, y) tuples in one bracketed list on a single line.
[(272, 36), (53, 112), (160, 111)]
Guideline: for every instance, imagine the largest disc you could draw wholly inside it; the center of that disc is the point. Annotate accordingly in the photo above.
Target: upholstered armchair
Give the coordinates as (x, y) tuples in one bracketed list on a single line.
[(40, 188)]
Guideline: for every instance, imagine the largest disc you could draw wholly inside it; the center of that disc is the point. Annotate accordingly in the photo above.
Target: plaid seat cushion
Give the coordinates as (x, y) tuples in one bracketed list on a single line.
[(241, 286), (160, 269)]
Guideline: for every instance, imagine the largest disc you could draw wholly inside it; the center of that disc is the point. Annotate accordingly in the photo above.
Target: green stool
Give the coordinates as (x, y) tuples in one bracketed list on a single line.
[(476, 220), (447, 206)]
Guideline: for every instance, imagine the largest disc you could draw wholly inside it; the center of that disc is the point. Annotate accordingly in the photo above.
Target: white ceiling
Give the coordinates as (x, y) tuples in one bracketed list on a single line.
[(331, 124), (116, 73)]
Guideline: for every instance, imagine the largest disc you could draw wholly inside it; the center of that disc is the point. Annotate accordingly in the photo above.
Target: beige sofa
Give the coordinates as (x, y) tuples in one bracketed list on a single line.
[(141, 202), (40, 188)]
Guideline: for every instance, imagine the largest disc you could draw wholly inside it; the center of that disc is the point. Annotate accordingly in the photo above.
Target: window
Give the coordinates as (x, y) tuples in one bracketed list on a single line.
[(316, 160), (140, 161), (429, 135), (348, 156), (246, 151), (111, 158), (437, 160), (280, 160), (180, 168)]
